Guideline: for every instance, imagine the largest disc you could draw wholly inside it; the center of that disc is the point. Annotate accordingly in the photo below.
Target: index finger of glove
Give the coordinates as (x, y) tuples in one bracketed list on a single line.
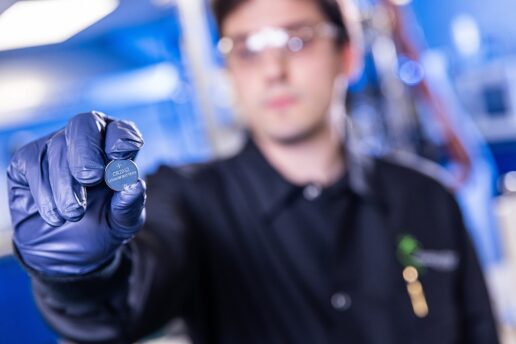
[(69, 195), (85, 141)]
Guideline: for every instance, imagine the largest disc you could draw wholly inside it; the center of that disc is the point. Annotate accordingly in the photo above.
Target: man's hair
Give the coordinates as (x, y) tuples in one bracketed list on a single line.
[(329, 8)]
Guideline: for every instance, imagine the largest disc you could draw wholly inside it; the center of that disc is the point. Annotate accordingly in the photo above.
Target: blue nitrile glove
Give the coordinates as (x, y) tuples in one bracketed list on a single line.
[(66, 220)]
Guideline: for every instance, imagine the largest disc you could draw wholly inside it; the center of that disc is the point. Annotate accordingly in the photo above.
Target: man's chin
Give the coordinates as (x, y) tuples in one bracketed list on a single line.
[(293, 137)]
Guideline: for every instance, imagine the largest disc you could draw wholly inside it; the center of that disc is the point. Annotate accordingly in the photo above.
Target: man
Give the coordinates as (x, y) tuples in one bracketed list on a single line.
[(294, 240)]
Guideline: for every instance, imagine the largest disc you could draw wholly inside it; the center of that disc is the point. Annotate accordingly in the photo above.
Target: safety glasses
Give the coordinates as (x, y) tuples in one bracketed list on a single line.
[(246, 49)]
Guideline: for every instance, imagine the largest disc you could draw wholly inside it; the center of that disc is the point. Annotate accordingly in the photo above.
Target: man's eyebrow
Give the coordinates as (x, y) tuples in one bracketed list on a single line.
[(299, 24)]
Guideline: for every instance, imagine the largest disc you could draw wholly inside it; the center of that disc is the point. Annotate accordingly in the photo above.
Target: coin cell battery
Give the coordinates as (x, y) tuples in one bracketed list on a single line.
[(120, 173)]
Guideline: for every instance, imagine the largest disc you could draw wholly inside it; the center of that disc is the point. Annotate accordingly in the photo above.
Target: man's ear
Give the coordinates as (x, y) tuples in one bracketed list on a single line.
[(352, 61), (353, 51)]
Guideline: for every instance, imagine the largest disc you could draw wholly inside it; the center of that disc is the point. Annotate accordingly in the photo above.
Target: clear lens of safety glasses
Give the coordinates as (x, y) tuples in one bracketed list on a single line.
[(293, 39)]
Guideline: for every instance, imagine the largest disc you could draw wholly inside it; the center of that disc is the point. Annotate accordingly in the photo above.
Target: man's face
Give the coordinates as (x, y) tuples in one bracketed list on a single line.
[(284, 96)]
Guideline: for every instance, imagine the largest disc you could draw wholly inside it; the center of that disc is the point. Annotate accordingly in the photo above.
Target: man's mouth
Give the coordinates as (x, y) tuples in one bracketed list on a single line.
[(280, 103)]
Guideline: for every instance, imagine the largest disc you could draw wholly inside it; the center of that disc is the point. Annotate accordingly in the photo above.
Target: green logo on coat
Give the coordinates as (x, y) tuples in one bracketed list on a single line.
[(408, 247)]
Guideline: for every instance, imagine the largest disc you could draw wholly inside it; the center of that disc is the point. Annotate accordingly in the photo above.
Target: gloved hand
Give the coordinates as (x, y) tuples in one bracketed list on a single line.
[(66, 221)]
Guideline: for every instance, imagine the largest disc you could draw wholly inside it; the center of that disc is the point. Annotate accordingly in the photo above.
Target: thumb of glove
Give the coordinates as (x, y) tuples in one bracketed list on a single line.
[(127, 210)]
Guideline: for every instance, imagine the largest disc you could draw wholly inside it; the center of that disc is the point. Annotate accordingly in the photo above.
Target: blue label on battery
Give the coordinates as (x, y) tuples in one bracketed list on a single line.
[(120, 173)]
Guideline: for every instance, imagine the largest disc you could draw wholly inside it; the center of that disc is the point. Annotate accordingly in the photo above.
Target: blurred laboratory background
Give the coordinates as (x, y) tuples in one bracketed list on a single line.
[(438, 81)]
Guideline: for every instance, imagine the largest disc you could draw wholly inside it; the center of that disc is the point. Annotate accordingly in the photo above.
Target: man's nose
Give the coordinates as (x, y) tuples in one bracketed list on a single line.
[(274, 64)]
